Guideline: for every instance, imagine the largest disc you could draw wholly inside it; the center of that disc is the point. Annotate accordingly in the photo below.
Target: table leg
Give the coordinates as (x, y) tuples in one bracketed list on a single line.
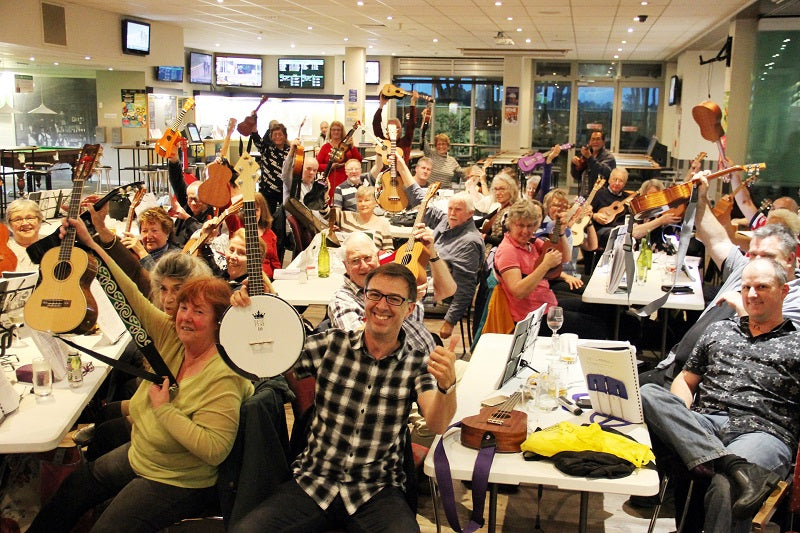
[(664, 333), (435, 497), (616, 322), (492, 507), (584, 511)]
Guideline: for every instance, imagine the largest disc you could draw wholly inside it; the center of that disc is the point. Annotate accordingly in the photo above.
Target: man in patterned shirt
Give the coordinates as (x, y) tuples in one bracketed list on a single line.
[(350, 475), (734, 410), (346, 309)]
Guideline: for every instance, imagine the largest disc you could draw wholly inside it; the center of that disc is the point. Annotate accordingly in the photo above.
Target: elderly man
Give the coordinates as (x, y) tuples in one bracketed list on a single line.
[(302, 187), (344, 196), (733, 413), (346, 309), (350, 474), (187, 208)]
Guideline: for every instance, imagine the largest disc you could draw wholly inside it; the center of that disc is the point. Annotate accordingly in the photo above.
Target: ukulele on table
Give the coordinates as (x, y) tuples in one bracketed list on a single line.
[(216, 190), (62, 301), (391, 196), (413, 254), (168, 142), (509, 427)]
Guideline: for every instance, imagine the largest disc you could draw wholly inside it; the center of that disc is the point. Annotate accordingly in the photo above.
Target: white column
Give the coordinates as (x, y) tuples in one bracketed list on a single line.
[(355, 61), (738, 86), (518, 72)]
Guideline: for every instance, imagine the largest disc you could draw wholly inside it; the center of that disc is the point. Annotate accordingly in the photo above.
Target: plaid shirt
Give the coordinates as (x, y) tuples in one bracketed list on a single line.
[(346, 311), (358, 436)]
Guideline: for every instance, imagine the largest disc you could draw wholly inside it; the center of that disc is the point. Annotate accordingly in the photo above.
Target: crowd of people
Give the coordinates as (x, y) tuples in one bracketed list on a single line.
[(723, 401)]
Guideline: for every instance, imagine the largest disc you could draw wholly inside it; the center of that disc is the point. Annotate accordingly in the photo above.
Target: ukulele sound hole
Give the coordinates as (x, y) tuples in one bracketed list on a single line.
[(63, 270)]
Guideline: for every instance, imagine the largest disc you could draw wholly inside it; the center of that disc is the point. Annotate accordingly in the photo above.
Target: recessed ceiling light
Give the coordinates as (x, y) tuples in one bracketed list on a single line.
[(393, 53), (110, 68), (435, 40), (519, 29), (370, 46), (528, 40), (259, 37), (359, 3), (347, 38), (644, 3), (32, 58), (615, 57), (498, 3), (216, 44), (636, 18), (624, 42), (630, 30), (87, 58), (291, 45), (389, 17), (220, 1), (309, 28), (619, 49), (509, 18)]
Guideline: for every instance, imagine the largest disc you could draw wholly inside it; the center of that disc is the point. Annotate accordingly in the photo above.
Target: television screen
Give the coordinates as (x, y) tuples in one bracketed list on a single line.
[(199, 68), (297, 73), (372, 76), (165, 73), (135, 37), (674, 90), (240, 71)]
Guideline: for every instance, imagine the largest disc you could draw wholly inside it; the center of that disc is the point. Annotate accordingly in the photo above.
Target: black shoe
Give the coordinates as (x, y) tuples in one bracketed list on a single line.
[(755, 484), (84, 436), (645, 502)]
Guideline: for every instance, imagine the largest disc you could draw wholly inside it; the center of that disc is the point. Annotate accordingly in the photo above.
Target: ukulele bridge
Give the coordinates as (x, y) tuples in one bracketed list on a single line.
[(495, 421), (56, 303)]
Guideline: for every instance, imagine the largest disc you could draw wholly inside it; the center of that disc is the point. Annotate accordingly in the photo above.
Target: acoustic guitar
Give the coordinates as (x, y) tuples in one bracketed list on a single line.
[(617, 207), (413, 254), (392, 91), (168, 143), (509, 427), (8, 259), (62, 301), (579, 228), (137, 199), (653, 204), (299, 155), (250, 122), (265, 338), (390, 193), (193, 245), (529, 162), (553, 242), (216, 190), (383, 147)]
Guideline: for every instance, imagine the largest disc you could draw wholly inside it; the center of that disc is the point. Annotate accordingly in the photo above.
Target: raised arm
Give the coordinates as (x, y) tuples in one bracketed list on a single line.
[(709, 230)]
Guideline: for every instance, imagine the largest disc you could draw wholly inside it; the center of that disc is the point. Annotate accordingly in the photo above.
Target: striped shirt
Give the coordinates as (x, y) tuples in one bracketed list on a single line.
[(344, 196)]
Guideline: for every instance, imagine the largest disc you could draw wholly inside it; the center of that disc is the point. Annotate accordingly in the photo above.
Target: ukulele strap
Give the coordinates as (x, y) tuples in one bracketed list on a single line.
[(480, 481)]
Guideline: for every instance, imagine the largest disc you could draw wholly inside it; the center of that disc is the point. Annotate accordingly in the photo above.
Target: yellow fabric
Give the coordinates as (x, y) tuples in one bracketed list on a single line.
[(569, 437), (498, 315)]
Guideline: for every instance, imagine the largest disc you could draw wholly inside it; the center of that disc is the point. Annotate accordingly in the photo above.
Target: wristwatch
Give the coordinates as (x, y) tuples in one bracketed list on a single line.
[(434, 259), (448, 390)]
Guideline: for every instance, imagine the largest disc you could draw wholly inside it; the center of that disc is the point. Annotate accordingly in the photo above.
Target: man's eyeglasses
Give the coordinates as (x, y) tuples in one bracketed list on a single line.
[(356, 261), (391, 299), (29, 219)]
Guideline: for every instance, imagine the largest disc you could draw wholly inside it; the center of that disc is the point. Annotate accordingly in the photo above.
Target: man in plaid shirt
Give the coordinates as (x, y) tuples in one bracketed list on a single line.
[(350, 475)]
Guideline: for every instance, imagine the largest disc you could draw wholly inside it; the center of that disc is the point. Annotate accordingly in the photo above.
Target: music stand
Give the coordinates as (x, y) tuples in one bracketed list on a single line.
[(15, 289)]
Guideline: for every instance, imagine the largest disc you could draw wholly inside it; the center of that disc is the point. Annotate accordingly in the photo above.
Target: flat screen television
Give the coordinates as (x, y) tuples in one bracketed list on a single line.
[(169, 73), (372, 75), (238, 71), (135, 37), (674, 90), (299, 73), (199, 68)]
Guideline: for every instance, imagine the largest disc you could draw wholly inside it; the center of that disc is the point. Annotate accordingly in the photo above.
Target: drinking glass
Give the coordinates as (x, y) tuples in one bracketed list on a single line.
[(42, 377), (555, 319)]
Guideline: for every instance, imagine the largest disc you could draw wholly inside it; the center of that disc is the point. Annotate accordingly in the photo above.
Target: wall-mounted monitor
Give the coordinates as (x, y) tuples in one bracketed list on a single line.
[(372, 75), (674, 90), (238, 71), (298, 73), (135, 37), (169, 73), (200, 67)]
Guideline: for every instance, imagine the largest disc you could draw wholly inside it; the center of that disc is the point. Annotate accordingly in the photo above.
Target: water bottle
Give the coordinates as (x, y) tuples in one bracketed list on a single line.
[(324, 260)]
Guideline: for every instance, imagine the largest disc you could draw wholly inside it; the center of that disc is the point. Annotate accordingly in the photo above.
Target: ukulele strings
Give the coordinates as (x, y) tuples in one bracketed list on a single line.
[(504, 411)]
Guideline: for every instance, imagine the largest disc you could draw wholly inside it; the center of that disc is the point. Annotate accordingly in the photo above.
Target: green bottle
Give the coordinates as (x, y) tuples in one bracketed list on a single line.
[(644, 261), (324, 261)]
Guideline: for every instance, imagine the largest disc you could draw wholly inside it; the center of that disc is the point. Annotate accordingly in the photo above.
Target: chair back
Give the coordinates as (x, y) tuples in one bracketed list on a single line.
[(302, 237)]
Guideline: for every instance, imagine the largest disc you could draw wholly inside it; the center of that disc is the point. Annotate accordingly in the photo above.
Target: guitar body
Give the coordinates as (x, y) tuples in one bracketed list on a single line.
[(246, 127), (579, 230), (708, 116), (416, 258), (392, 196), (168, 143), (263, 339), (615, 208), (216, 191), (62, 302), (392, 91), (529, 162), (509, 436), (8, 259), (384, 149), (554, 272), (299, 159)]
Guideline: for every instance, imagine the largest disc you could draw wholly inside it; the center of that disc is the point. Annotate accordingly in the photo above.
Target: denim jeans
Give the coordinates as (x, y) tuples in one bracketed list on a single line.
[(700, 438), (290, 509), (138, 504)]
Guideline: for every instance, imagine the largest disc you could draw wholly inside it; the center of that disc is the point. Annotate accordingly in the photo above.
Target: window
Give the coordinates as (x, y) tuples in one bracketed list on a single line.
[(638, 117)]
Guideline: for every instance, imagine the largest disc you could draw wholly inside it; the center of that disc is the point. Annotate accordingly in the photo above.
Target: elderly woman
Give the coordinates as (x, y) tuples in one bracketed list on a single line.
[(655, 224), (343, 152), (153, 241), (169, 469), (504, 193), (522, 276), (364, 219), (445, 167), (24, 219)]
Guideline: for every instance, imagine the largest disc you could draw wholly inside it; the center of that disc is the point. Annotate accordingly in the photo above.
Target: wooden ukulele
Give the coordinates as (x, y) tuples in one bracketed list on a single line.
[(188, 177), (680, 209), (216, 190), (392, 91), (724, 206), (193, 245), (653, 204), (8, 259), (553, 242), (390, 195), (509, 427), (299, 155), (413, 254), (246, 127), (62, 301), (168, 142), (617, 207), (529, 162), (137, 199), (383, 147), (579, 228)]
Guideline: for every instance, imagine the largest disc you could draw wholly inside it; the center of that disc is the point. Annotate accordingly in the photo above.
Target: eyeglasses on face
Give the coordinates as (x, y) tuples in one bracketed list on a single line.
[(356, 261), (391, 299), (30, 219)]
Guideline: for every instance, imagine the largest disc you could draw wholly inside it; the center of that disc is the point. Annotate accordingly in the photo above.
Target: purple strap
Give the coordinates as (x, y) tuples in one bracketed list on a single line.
[(480, 482)]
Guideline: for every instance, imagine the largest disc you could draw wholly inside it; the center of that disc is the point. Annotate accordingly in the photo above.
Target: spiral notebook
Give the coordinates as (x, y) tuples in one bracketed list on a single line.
[(612, 380)]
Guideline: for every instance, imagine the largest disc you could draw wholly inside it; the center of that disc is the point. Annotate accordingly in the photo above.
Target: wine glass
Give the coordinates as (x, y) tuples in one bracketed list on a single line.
[(555, 319)]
